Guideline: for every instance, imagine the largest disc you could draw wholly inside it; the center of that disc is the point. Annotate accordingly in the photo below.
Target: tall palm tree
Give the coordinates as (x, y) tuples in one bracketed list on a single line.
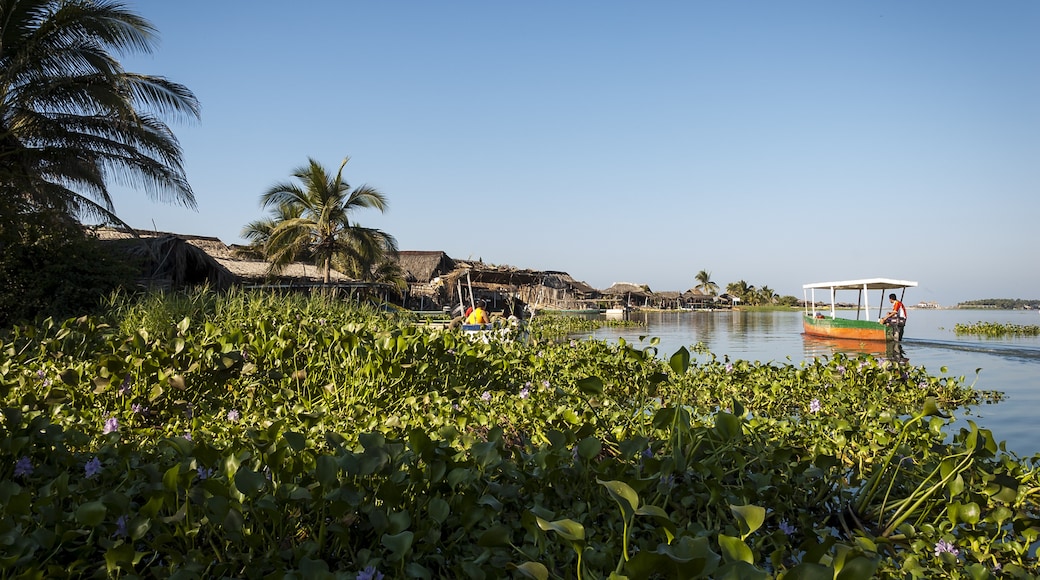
[(314, 220), (704, 283), (71, 118)]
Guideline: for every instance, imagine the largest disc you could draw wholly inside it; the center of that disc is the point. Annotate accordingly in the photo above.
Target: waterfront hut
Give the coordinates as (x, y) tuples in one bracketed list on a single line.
[(630, 294), (666, 300), (423, 271)]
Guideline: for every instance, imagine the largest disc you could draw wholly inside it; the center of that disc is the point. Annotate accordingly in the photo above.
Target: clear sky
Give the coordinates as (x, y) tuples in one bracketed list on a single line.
[(779, 143)]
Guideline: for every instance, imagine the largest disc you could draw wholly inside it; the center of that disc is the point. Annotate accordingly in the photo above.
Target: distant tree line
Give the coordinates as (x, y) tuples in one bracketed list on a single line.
[(1001, 304), (744, 292)]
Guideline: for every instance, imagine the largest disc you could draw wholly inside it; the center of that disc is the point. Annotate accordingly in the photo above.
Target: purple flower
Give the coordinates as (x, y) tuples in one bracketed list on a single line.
[(187, 435), (574, 343), (111, 426), (486, 396), (23, 466), (841, 369), (120, 527), (787, 528), (205, 473), (92, 468), (729, 368), (814, 406), (944, 546), (524, 393), (370, 573), (545, 384), (923, 384), (137, 408), (233, 415), (125, 387)]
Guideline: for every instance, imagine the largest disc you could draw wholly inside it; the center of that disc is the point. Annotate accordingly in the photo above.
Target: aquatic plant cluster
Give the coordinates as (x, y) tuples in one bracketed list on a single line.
[(997, 329), (246, 435)]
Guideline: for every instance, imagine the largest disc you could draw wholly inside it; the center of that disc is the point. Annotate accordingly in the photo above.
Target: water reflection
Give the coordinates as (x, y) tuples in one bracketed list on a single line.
[(816, 346)]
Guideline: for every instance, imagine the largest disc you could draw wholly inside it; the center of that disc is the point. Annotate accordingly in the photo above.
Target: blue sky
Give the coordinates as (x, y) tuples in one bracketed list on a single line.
[(778, 143)]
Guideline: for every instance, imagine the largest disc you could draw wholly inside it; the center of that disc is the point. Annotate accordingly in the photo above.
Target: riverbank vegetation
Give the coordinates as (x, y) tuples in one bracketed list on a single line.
[(251, 435)]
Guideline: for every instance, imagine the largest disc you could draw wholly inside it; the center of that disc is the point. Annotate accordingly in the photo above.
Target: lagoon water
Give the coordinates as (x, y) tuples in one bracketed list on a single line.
[(1008, 364)]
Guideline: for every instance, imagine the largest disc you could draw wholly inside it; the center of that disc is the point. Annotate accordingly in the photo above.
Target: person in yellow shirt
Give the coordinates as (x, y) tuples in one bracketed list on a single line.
[(479, 315)]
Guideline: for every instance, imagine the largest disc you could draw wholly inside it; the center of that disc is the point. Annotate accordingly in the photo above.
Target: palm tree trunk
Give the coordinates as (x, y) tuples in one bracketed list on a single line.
[(327, 275)]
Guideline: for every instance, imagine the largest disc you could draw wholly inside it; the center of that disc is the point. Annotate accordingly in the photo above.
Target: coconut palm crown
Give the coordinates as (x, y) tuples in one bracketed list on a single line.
[(72, 119), (312, 220), (705, 283)]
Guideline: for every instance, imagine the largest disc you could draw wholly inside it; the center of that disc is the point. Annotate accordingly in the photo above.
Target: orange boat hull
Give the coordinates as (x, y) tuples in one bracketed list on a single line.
[(845, 328)]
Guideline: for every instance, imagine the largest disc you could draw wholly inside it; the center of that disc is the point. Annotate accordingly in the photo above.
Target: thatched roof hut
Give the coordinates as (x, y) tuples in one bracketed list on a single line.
[(628, 289), (175, 260), (423, 266), (169, 261)]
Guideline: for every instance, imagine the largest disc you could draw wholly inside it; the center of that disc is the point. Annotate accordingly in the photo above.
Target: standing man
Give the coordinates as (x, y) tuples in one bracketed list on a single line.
[(896, 319)]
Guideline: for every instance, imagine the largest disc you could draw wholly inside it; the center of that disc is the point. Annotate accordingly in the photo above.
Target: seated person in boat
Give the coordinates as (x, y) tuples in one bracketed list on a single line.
[(896, 318), (479, 314)]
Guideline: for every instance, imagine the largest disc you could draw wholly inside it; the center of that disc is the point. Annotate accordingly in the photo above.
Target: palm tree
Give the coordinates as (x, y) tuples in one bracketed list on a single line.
[(314, 221), (741, 290), (767, 295), (704, 283), (71, 118)]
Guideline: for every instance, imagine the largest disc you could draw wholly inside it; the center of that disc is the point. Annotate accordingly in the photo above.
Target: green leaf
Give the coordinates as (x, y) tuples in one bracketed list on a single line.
[(728, 426), (589, 447), (171, 479), (568, 529), (249, 482), (496, 536), (735, 550), (399, 543), (858, 567), (623, 494), (70, 377), (750, 518), (590, 386), (438, 509), (931, 409), (123, 554), (680, 361), (297, 441), (91, 513), (810, 571), (533, 570)]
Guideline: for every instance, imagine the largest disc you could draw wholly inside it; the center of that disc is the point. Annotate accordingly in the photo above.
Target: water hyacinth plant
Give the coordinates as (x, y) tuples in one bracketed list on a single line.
[(259, 435)]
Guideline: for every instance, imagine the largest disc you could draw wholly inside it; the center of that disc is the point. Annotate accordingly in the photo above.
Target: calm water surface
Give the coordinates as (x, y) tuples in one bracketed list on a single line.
[(1011, 365)]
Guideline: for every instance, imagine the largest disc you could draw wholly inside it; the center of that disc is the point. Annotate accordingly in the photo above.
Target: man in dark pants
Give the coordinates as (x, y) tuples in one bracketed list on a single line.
[(896, 319)]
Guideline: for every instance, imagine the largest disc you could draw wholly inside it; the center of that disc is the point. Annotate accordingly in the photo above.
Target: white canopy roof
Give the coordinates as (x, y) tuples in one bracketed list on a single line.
[(868, 283)]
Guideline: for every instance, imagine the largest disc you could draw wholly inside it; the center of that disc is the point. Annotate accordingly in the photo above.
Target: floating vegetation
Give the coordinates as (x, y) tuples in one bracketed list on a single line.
[(996, 329), (249, 435)]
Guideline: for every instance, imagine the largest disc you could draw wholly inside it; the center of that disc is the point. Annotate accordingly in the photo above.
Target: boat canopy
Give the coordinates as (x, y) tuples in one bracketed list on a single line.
[(865, 284)]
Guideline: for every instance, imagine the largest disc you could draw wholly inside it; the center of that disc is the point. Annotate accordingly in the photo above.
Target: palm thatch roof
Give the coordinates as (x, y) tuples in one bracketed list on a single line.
[(424, 266), (480, 273), (180, 259), (628, 289), (170, 261)]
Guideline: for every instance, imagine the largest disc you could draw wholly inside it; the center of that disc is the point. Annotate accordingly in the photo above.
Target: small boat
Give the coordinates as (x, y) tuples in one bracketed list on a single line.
[(829, 324)]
